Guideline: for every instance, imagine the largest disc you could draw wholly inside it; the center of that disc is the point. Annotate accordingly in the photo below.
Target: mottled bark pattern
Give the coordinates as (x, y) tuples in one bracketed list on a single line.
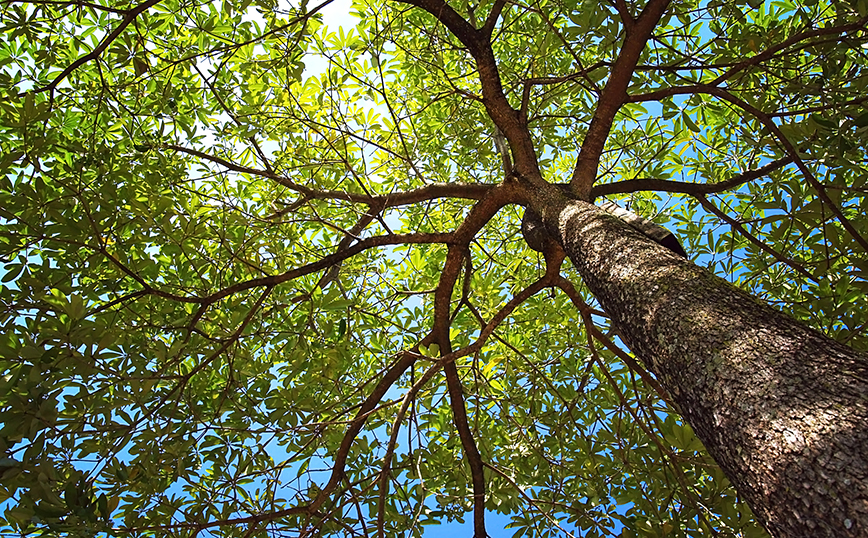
[(782, 408)]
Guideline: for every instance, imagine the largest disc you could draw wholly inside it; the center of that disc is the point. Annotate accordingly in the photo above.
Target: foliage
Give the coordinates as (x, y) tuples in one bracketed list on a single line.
[(229, 231)]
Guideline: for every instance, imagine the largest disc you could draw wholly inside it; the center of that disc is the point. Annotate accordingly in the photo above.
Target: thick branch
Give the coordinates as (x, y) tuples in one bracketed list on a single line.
[(487, 330), (624, 12), (613, 97), (459, 409), (455, 23), (493, 97), (491, 21), (478, 217), (475, 220)]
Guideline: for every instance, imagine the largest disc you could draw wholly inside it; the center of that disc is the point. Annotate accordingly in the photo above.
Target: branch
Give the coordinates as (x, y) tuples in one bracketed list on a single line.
[(468, 443), (613, 97), (586, 311), (449, 359), (475, 220), (496, 104), (405, 360), (532, 501), (345, 243), (769, 52), (694, 189), (455, 23), (119, 300), (393, 439), (769, 124), (364, 244), (129, 17), (459, 410), (543, 81), (626, 18), (68, 4), (478, 217), (332, 259), (493, 16), (634, 366), (442, 321), (819, 108), (185, 378), (252, 139), (408, 358), (429, 192), (711, 208)]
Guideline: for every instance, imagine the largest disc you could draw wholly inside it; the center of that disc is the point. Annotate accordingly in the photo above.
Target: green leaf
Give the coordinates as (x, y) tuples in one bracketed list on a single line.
[(689, 123)]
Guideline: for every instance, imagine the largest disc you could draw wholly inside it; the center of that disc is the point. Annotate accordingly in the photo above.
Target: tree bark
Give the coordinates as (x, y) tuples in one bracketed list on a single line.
[(782, 408)]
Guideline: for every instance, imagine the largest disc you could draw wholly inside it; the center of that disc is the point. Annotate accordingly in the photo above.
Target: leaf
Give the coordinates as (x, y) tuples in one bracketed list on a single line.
[(689, 122), (140, 65)]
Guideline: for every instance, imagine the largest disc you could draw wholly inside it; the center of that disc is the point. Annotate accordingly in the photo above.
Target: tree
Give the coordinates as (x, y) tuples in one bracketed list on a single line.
[(264, 277)]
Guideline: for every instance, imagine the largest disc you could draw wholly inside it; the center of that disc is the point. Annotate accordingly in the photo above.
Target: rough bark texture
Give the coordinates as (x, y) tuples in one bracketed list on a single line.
[(782, 408)]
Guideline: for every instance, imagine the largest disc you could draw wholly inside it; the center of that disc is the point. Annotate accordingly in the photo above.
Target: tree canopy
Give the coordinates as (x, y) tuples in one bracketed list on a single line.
[(266, 277)]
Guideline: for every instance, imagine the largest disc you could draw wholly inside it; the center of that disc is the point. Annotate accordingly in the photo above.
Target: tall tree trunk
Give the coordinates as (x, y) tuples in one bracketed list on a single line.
[(782, 408)]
